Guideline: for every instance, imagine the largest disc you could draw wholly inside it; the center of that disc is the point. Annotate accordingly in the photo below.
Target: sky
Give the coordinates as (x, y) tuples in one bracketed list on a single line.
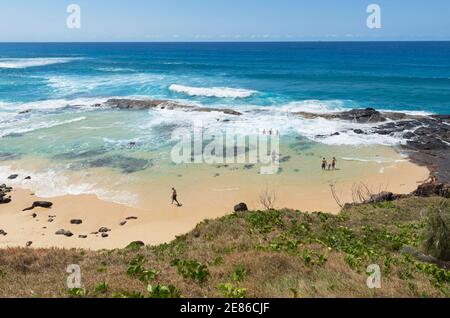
[(223, 20)]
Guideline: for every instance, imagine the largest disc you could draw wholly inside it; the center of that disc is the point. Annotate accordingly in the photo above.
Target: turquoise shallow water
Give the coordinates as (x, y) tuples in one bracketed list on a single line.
[(47, 90)]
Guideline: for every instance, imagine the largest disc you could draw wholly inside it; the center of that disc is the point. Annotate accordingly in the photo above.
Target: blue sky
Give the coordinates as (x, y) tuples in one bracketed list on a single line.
[(223, 20)]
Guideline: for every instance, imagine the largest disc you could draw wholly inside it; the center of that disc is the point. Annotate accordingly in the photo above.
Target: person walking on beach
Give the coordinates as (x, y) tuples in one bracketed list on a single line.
[(174, 197), (324, 164), (333, 163)]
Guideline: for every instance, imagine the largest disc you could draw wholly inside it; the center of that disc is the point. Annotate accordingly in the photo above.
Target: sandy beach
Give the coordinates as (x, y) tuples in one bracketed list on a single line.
[(203, 195)]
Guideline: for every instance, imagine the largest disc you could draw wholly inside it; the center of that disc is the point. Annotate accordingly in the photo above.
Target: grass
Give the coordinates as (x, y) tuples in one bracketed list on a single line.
[(276, 253)]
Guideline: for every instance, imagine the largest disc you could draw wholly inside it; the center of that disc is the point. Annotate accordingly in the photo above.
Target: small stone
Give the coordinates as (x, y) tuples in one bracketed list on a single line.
[(104, 235), (104, 230), (13, 176), (82, 236), (28, 178), (34, 215), (76, 221), (68, 234), (123, 223), (50, 220), (2, 232), (29, 243), (131, 218)]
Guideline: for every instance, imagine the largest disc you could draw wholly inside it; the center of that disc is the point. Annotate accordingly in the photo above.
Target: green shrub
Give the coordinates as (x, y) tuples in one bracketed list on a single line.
[(239, 274), (191, 269), (227, 290), (102, 288), (161, 291), (137, 270), (437, 232), (77, 292)]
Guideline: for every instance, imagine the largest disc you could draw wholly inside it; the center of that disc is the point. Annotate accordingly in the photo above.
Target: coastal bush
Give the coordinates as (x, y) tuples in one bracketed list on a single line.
[(239, 274), (264, 222), (437, 231), (102, 288), (227, 290), (161, 291), (77, 292), (136, 269), (191, 269)]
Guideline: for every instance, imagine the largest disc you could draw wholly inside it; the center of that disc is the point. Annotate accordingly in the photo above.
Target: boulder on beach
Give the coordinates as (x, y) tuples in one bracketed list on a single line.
[(64, 232), (40, 204), (13, 176), (76, 221), (241, 207)]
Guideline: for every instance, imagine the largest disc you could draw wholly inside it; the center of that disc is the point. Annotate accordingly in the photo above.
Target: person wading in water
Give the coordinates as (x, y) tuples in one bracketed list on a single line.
[(324, 164), (174, 197)]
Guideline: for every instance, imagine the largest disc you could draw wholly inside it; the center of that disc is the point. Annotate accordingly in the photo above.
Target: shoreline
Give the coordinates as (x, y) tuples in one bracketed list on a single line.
[(159, 222)]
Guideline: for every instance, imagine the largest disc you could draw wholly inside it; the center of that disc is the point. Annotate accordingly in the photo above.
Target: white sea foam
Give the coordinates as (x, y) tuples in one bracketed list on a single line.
[(13, 128), (51, 104), (77, 84), (55, 182), (221, 92), (33, 62)]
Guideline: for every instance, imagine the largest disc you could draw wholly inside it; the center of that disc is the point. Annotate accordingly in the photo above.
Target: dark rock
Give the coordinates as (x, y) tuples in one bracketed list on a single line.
[(433, 189), (76, 221), (104, 235), (64, 232), (123, 223), (82, 236), (2, 232), (50, 220), (133, 104), (126, 164), (104, 230), (381, 197), (40, 204), (358, 131), (132, 218), (13, 176), (241, 207), (28, 178), (29, 243), (34, 215)]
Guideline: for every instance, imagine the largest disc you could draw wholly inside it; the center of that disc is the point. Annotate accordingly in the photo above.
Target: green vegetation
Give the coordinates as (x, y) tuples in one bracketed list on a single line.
[(192, 269), (275, 253), (437, 237)]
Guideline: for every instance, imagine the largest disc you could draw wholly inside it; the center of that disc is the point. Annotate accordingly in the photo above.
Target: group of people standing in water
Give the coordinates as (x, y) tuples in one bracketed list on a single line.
[(329, 165)]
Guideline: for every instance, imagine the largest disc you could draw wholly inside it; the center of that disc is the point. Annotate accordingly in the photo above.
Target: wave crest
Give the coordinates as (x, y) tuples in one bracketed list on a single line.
[(17, 63), (221, 92)]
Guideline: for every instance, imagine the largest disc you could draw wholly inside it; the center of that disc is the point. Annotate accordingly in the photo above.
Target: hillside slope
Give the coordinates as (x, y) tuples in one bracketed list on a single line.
[(254, 254)]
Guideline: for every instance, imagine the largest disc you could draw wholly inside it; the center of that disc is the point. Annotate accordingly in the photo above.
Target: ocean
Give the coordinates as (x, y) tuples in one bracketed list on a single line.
[(47, 93)]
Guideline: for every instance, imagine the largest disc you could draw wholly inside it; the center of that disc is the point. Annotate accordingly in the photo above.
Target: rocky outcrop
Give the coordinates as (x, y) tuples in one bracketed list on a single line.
[(135, 104), (433, 189)]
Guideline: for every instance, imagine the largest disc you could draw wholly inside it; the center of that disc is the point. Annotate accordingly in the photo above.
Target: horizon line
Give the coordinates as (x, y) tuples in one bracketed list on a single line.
[(200, 42)]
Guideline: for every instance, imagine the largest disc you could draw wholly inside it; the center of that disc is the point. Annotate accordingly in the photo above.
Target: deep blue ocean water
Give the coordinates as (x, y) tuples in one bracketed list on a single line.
[(386, 75)]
